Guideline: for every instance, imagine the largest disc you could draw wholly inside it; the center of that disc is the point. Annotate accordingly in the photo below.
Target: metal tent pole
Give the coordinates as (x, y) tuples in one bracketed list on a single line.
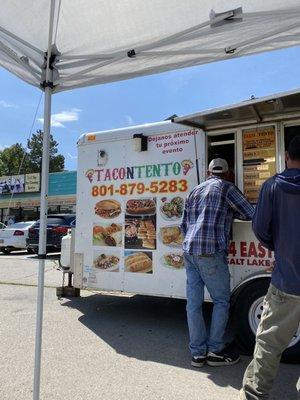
[(42, 243)]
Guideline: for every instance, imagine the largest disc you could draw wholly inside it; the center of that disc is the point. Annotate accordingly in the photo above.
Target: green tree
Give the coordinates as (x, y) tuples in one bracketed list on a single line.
[(11, 159), (35, 150)]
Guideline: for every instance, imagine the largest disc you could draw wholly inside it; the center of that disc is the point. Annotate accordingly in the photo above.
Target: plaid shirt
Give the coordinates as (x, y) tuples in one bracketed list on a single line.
[(208, 214)]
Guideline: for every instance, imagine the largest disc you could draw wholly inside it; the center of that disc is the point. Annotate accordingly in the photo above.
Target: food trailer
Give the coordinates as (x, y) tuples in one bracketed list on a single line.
[(132, 183)]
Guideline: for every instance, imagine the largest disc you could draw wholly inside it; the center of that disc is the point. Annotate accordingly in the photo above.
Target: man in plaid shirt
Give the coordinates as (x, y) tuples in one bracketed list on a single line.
[(206, 224)]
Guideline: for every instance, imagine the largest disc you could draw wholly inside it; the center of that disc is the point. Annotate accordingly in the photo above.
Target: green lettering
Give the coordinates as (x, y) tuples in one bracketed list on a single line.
[(176, 168), (156, 170), (139, 169), (166, 168), (149, 171)]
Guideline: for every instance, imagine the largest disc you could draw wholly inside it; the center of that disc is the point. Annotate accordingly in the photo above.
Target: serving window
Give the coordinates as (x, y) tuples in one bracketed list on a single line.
[(223, 146), (289, 133)]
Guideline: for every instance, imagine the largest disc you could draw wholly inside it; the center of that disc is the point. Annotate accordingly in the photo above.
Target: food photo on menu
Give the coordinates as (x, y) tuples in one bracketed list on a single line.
[(108, 262), (140, 224), (107, 235), (173, 260), (171, 236), (141, 206), (171, 208), (138, 262), (108, 209)]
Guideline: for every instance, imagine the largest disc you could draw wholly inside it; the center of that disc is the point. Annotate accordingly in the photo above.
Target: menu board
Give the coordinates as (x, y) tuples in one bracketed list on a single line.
[(259, 151)]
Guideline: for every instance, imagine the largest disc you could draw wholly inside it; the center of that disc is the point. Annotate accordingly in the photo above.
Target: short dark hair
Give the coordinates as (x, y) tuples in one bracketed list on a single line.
[(294, 148)]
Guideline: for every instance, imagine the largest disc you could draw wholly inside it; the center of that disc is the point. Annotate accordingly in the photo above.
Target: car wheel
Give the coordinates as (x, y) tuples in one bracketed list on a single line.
[(30, 250), (247, 314), (6, 250)]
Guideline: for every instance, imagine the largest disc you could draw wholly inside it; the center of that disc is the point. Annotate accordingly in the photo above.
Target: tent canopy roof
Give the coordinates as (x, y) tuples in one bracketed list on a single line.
[(99, 41)]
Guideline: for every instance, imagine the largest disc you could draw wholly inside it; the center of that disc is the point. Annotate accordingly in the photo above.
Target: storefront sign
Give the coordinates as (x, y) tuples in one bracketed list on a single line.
[(12, 184), (28, 183), (32, 183), (52, 201)]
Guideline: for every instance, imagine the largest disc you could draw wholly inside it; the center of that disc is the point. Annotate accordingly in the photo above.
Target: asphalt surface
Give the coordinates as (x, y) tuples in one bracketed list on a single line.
[(106, 346)]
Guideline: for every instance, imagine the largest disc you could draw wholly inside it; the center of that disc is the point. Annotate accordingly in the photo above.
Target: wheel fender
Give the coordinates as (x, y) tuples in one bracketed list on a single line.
[(247, 282)]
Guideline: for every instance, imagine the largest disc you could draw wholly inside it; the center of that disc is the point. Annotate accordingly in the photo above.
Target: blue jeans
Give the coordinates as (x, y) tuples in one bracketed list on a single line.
[(210, 271)]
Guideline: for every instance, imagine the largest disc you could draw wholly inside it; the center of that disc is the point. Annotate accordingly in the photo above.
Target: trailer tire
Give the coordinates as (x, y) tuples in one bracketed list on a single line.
[(6, 250), (247, 313)]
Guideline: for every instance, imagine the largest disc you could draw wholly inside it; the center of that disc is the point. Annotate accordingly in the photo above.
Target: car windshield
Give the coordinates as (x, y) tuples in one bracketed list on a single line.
[(21, 225)]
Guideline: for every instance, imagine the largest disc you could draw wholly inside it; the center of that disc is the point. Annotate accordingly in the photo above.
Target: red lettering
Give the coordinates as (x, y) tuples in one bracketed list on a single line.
[(122, 173), (107, 175), (252, 250), (115, 174), (270, 254), (262, 251), (243, 249), (232, 249)]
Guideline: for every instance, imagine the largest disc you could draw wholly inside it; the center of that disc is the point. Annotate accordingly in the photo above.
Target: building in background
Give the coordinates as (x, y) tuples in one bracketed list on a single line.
[(20, 195)]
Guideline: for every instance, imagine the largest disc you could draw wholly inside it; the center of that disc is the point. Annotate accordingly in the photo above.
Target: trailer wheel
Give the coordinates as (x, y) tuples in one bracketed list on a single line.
[(6, 250), (247, 314)]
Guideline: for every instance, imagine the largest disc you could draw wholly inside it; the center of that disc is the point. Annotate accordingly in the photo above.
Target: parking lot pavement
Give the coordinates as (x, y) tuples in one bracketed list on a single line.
[(105, 346), (22, 268)]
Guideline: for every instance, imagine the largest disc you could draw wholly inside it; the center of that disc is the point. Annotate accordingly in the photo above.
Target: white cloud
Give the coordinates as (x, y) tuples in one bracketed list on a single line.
[(64, 116), (129, 120), (5, 104), (72, 157)]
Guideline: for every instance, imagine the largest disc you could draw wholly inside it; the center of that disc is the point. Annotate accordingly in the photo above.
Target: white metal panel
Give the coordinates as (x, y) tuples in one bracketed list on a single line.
[(167, 143)]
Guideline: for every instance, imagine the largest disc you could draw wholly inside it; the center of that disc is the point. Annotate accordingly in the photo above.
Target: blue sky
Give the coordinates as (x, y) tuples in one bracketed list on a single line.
[(142, 100)]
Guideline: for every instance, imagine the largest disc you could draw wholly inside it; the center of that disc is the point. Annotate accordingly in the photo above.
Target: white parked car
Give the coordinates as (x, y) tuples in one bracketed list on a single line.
[(14, 237)]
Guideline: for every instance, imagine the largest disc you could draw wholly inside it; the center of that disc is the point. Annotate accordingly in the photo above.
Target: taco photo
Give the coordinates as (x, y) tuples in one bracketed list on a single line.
[(106, 262), (173, 260), (107, 235), (171, 208)]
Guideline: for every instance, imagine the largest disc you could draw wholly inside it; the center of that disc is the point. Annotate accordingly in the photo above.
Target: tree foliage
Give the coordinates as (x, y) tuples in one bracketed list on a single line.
[(35, 147), (31, 159), (11, 159)]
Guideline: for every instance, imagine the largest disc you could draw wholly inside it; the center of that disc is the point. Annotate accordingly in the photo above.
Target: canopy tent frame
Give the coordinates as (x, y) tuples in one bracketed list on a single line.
[(48, 88)]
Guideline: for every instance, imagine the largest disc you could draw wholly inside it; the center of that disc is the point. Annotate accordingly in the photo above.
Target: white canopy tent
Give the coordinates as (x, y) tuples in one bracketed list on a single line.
[(60, 45), (98, 41)]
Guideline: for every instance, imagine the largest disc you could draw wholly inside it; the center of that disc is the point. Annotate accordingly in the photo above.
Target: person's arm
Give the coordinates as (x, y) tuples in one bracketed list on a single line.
[(241, 207), (262, 219), (184, 221)]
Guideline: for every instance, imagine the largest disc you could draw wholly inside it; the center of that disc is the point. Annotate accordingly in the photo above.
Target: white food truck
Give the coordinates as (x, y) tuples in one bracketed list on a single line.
[(132, 183)]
